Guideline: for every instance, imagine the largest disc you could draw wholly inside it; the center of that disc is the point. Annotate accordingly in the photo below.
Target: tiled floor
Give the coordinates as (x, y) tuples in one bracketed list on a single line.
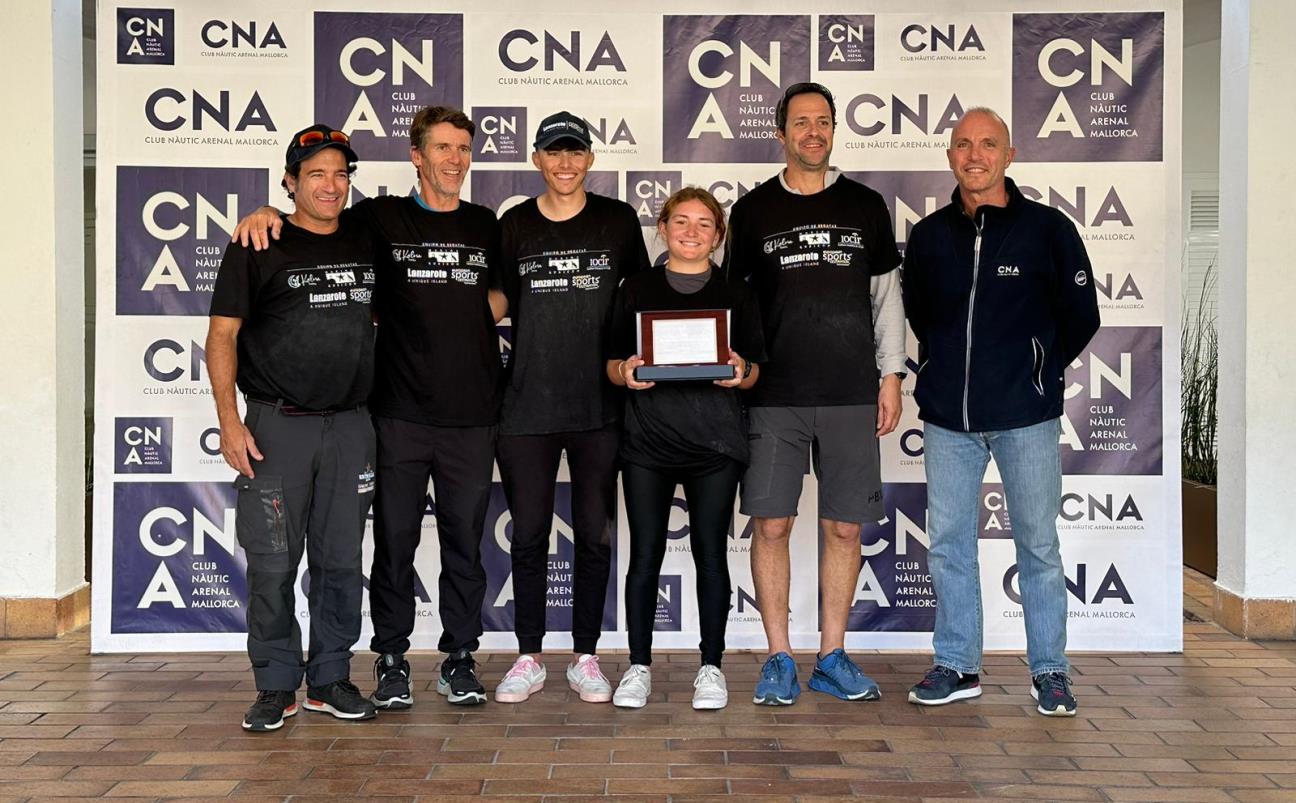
[(1213, 724)]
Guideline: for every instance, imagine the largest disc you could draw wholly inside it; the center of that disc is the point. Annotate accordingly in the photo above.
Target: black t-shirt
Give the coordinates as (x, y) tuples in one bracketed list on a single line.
[(307, 335), (685, 425), (561, 278), (438, 358), (809, 259)]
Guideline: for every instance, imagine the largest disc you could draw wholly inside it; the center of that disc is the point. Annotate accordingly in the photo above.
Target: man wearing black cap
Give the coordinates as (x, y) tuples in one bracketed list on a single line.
[(563, 255), (819, 251), (435, 400), (292, 324)]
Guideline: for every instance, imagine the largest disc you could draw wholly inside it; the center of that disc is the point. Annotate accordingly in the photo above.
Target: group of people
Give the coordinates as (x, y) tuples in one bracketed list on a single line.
[(363, 340)]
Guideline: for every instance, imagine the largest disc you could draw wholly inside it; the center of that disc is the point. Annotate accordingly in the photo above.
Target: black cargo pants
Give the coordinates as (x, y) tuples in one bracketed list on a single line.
[(311, 493)]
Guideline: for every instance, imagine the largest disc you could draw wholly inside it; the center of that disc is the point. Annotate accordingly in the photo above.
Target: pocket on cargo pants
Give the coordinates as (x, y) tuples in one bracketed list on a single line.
[(262, 515)]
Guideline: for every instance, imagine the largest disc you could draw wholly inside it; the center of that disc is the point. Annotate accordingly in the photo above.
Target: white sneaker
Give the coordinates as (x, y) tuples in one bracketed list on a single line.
[(634, 688), (587, 680), (709, 690), (525, 679)]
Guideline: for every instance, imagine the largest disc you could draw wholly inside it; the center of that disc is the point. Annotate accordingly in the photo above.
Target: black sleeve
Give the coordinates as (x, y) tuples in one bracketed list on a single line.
[(509, 281), (360, 213), (1076, 303), (747, 335), (911, 285), (233, 291), (737, 268), (634, 256), (884, 254), (621, 340)]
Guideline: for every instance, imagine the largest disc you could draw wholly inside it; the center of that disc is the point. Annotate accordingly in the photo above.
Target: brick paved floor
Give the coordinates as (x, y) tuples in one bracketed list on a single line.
[(1213, 724)]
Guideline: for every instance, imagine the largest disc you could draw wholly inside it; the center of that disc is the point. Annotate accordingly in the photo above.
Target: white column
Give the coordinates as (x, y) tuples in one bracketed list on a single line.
[(42, 305), (1257, 305)]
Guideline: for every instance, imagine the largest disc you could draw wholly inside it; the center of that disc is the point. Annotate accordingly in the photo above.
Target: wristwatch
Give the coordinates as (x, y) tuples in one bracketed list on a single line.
[(747, 368)]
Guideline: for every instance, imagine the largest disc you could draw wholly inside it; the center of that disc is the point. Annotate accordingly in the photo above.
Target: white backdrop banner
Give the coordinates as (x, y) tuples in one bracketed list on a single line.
[(196, 103)]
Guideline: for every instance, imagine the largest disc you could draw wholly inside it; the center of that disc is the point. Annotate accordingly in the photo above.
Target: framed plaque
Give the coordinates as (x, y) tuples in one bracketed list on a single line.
[(683, 345)]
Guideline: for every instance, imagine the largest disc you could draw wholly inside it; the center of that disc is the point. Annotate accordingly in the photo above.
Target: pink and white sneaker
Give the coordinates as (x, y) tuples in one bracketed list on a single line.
[(587, 680), (525, 678)]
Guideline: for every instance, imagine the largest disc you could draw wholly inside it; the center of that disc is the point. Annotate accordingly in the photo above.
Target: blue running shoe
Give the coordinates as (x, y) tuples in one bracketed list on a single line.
[(837, 674), (778, 682)]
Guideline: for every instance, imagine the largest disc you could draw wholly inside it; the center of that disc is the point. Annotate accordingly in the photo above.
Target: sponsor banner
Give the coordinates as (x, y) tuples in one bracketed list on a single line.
[(894, 591), (143, 445), (940, 42), (497, 612), (173, 224), (177, 566), (146, 36), (1111, 420), (502, 134), (374, 71), (502, 190), (724, 76), (1088, 87), (845, 42), (910, 195)]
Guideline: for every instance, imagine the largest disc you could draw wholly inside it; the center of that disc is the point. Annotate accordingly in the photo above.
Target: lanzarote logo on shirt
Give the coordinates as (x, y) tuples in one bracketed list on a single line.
[(146, 36), (647, 191), (501, 134), (374, 71), (846, 42), (1088, 87), (560, 567), (177, 566), (143, 445), (502, 190), (1111, 423), (173, 224), (895, 591), (723, 77)]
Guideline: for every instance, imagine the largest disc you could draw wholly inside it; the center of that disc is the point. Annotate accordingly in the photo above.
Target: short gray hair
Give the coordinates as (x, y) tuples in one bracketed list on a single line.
[(986, 110)]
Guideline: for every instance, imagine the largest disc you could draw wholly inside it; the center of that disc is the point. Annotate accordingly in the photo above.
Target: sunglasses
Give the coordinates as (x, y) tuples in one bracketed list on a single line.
[(315, 137)]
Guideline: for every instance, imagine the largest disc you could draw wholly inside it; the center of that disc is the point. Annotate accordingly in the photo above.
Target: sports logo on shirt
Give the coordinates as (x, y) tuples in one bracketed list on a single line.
[(852, 240), (299, 280), (564, 264), (777, 244), (815, 238), (464, 276), (839, 258), (361, 295), (600, 263), (340, 276), (530, 266), (585, 282), (443, 257)]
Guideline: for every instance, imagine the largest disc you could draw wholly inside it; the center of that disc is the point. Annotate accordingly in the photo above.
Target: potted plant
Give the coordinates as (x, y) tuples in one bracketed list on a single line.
[(1199, 364)]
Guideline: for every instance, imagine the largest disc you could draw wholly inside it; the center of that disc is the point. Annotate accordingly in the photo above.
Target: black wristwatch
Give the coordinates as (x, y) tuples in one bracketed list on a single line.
[(747, 368)]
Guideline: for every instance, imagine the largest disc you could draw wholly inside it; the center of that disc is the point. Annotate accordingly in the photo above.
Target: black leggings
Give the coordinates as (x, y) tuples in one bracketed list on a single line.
[(710, 497)]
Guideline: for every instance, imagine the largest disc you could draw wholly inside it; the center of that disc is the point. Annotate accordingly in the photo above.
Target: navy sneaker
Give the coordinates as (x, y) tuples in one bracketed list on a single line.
[(837, 674), (943, 685), (1052, 692), (778, 682)]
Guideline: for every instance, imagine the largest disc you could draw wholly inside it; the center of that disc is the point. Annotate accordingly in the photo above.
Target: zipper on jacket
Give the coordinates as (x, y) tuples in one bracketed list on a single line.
[(967, 358)]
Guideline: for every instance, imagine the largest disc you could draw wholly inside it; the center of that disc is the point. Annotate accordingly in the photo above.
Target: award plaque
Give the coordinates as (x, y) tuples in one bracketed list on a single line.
[(683, 344)]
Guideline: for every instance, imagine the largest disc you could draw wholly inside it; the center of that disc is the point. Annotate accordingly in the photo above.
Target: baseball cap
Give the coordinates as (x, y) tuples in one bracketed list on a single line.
[(310, 141), (562, 125)]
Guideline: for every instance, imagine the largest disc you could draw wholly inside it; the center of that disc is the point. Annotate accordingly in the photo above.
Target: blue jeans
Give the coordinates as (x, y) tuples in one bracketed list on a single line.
[(1032, 477)]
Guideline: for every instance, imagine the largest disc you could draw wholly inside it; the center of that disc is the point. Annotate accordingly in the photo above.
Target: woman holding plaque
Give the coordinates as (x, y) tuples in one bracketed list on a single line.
[(688, 432)]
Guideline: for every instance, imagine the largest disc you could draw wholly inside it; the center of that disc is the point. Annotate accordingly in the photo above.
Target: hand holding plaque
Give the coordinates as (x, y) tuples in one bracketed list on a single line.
[(683, 345)]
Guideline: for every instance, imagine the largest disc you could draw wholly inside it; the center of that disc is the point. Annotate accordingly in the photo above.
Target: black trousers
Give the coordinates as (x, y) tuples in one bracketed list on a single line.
[(529, 467), (311, 493), (459, 462), (710, 497)]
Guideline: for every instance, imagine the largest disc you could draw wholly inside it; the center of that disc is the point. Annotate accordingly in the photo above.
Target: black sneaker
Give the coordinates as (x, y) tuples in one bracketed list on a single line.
[(943, 685), (341, 699), (1053, 693), (269, 710), (458, 681), (392, 673)]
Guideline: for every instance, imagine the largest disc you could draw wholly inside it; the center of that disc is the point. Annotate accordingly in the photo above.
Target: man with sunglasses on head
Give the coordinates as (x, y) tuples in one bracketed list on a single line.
[(819, 251), (291, 325), (563, 255), (435, 401)]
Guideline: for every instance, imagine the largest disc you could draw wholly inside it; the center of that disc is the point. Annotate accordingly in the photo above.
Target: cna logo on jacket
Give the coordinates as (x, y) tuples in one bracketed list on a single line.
[(142, 445), (374, 71), (723, 77), (846, 42), (173, 224), (145, 36), (910, 195), (1111, 420), (895, 591), (501, 134), (647, 191), (176, 562), (1088, 87), (501, 190), (241, 39), (670, 603)]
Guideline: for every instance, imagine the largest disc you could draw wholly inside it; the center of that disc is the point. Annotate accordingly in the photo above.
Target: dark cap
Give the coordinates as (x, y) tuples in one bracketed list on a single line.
[(563, 125), (310, 141)]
